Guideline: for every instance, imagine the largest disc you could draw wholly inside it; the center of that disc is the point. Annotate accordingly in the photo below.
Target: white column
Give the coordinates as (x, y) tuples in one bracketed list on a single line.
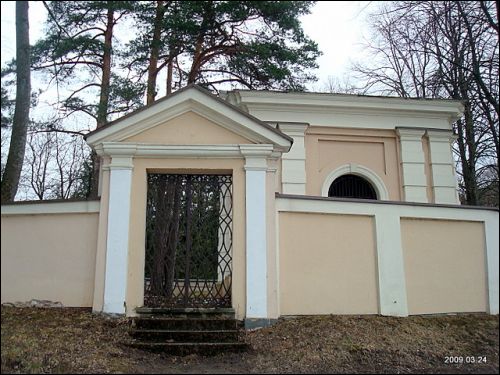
[(391, 274), (444, 180), (412, 164), (492, 260), (115, 281), (272, 249), (256, 233), (293, 163)]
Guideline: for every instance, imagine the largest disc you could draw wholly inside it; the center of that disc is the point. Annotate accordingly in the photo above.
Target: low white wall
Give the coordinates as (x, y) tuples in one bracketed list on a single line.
[(428, 258), (48, 252)]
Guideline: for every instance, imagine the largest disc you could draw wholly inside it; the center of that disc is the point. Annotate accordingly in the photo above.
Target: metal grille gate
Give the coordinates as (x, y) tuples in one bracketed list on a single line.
[(188, 241), (352, 186)]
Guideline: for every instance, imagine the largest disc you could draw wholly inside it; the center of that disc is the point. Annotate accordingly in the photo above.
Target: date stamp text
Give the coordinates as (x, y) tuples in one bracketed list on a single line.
[(458, 359)]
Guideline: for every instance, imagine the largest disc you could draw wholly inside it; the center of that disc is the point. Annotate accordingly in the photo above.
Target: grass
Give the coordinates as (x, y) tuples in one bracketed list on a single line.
[(64, 340)]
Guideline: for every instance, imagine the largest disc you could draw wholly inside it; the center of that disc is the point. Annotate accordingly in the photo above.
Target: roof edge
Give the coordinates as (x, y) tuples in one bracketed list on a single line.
[(178, 92), (253, 98)]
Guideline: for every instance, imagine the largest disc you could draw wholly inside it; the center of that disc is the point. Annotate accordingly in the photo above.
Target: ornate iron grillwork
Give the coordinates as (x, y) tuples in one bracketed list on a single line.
[(188, 241), (352, 186)]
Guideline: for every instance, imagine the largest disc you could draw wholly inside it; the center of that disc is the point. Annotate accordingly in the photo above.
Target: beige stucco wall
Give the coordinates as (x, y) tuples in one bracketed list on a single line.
[(188, 129), (50, 257), (330, 148), (327, 264), (445, 266)]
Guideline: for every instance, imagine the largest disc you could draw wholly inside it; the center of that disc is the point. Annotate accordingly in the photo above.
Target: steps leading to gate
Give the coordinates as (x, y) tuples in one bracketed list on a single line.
[(186, 331), (186, 348), (169, 323), (187, 313), (174, 335)]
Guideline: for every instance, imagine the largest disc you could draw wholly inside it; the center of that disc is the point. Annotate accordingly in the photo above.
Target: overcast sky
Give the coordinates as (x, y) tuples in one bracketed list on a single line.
[(337, 26)]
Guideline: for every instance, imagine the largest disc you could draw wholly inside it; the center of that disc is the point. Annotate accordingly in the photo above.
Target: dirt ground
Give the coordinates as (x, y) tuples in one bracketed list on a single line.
[(64, 340)]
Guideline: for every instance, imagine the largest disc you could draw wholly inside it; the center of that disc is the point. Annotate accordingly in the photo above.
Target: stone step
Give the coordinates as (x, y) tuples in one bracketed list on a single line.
[(163, 335), (184, 331), (185, 348), (187, 313), (196, 324)]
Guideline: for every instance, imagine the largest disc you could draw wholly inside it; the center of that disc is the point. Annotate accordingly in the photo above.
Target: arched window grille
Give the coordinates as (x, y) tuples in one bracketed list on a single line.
[(352, 186)]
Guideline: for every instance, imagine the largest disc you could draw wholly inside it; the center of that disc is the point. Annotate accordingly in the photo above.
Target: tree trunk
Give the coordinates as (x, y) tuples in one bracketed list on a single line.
[(173, 238), (102, 110), (470, 175), (196, 65), (162, 220), (208, 19), (468, 155), (155, 52), (170, 68), (13, 167)]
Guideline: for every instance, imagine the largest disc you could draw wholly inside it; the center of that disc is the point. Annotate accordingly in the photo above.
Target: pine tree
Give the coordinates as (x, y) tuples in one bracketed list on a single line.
[(257, 45), (13, 167)]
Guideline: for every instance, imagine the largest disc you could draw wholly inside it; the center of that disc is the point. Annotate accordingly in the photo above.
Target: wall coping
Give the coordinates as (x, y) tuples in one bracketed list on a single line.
[(384, 202), (56, 206)]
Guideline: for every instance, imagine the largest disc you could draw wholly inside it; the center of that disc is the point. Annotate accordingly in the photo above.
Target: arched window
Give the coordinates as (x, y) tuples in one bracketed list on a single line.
[(352, 186)]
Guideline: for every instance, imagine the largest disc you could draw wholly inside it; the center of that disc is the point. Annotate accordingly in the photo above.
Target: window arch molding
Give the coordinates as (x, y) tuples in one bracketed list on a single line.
[(358, 170)]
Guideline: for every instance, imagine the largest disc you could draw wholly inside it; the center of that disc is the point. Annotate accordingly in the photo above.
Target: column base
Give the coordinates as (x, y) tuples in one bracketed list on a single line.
[(114, 308), (256, 323)]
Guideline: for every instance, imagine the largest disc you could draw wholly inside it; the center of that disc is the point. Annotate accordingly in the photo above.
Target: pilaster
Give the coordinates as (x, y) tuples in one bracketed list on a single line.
[(444, 181), (413, 164), (294, 162), (115, 284)]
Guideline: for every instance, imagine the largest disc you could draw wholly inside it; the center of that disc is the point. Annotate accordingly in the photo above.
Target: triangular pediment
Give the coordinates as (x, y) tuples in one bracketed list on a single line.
[(190, 116), (188, 128)]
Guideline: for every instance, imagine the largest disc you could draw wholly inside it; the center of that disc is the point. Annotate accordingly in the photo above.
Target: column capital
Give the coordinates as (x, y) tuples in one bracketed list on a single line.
[(120, 162), (264, 150), (255, 163), (272, 162), (256, 156), (293, 129), (436, 135), (115, 149), (410, 133)]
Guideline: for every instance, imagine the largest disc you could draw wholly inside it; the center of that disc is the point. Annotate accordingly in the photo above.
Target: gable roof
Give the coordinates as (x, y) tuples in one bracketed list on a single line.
[(196, 99)]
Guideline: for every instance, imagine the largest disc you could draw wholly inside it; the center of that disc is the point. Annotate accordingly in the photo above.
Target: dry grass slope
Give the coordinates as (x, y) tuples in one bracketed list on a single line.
[(38, 340)]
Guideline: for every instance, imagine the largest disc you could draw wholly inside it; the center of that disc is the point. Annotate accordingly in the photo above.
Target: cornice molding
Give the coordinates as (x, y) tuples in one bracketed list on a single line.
[(124, 152), (254, 99), (214, 109)]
